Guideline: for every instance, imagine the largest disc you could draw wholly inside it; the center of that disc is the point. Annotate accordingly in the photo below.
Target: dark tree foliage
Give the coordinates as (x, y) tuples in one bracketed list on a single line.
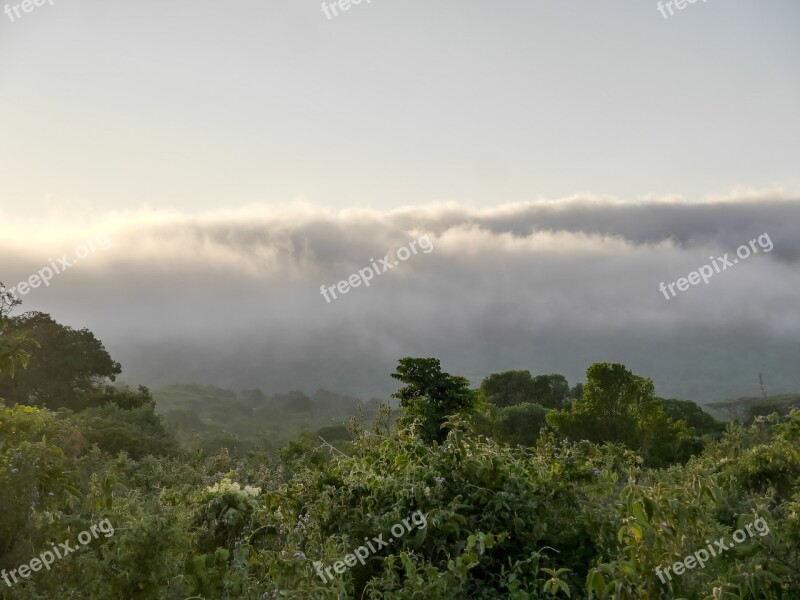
[(12, 344), (298, 402), (67, 366), (519, 387), (551, 391), (429, 396), (519, 425), (8, 302), (124, 397), (137, 431), (620, 407), (694, 416), (765, 409), (508, 388), (335, 433)]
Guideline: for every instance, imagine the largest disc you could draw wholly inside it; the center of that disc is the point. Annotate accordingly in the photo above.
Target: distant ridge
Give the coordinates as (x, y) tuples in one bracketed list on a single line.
[(210, 418), (739, 408)]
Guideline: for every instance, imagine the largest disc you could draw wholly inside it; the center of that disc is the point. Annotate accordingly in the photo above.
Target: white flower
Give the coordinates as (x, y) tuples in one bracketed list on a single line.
[(226, 485), (252, 491)]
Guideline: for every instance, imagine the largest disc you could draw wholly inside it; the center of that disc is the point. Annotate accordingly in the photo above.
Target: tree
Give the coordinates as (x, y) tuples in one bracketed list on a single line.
[(694, 416), (604, 413), (8, 302), (12, 352), (518, 387), (297, 402), (137, 431), (67, 367), (620, 407), (508, 388), (123, 397), (551, 391), (12, 357), (429, 396)]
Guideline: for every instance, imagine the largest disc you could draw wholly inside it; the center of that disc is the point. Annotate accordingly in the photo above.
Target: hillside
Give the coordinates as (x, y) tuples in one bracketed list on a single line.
[(210, 417), (739, 409)]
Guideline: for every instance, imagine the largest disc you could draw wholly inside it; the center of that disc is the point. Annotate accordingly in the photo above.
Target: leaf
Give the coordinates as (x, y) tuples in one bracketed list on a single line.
[(595, 582), (639, 512), (621, 534), (637, 532), (420, 536)]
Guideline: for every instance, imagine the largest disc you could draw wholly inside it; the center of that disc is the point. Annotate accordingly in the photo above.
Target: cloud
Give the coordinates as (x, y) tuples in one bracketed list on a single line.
[(233, 297)]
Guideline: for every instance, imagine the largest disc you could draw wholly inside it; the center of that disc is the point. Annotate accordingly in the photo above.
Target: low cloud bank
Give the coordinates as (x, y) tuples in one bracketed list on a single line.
[(233, 298)]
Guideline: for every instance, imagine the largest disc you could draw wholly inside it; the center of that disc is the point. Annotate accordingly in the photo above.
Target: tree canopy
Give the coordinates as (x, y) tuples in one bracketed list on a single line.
[(67, 366), (519, 387), (620, 407), (430, 396)]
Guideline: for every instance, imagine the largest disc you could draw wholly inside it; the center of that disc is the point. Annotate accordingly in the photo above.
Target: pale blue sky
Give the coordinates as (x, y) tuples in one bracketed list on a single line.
[(197, 105)]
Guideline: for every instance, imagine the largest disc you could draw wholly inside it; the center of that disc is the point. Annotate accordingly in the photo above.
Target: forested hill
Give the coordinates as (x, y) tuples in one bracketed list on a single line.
[(212, 418), (752, 406)]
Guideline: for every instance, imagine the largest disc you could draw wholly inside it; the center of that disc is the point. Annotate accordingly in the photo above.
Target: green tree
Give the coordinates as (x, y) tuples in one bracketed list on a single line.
[(12, 357), (620, 407), (429, 396), (67, 366), (551, 391), (518, 387), (694, 416), (8, 302), (12, 352), (138, 431), (508, 388)]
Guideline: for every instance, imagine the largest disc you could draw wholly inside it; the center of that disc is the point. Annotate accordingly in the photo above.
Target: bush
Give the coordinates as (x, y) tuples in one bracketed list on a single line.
[(138, 432)]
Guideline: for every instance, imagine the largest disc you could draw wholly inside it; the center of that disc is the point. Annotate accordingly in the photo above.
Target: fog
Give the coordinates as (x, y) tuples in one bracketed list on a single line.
[(233, 298)]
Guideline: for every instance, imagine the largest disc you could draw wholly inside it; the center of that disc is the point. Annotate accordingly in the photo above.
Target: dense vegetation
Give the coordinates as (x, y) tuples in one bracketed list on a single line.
[(529, 489), (211, 418)]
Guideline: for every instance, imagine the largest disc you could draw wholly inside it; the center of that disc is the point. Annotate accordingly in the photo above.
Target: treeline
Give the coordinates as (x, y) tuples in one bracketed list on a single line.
[(614, 405)]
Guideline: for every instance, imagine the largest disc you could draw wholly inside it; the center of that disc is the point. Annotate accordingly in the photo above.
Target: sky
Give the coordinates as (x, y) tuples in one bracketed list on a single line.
[(564, 158)]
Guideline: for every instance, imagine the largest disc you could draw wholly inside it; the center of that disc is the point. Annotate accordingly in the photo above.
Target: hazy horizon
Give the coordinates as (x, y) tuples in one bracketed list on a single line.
[(233, 298)]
